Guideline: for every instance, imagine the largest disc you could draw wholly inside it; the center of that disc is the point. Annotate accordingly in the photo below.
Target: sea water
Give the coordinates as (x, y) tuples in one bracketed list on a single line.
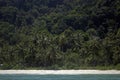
[(59, 77)]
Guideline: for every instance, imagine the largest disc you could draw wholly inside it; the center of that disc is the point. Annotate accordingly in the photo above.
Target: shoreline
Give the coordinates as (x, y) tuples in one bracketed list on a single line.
[(59, 72)]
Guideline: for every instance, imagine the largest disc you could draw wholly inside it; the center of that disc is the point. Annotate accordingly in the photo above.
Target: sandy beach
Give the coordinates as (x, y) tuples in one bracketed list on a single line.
[(59, 72)]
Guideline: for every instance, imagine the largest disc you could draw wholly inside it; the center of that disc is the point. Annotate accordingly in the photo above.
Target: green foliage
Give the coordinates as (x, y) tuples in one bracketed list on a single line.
[(59, 34)]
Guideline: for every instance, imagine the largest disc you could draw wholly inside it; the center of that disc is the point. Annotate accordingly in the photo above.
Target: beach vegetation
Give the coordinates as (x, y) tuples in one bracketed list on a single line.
[(60, 34)]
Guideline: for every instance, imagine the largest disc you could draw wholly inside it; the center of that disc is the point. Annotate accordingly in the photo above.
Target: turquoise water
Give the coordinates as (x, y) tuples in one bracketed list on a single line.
[(59, 77)]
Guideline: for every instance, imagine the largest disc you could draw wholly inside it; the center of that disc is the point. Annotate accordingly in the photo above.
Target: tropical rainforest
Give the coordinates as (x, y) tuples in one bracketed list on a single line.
[(59, 34)]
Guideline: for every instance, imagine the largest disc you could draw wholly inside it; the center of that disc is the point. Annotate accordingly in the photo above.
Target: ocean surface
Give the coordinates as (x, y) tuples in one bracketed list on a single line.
[(59, 77)]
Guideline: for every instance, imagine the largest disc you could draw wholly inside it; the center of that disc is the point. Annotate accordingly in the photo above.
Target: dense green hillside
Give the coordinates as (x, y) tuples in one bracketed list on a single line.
[(59, 34)]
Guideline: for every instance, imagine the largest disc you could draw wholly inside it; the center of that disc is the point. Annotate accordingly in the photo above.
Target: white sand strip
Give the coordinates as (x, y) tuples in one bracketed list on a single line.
[(59, 72)]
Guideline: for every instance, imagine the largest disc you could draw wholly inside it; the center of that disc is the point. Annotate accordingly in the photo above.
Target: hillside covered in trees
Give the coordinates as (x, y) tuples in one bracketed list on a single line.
[(59, 34)]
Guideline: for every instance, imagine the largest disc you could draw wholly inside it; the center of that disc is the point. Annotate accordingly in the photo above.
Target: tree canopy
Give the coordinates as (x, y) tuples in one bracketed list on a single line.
[(59, 34)]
